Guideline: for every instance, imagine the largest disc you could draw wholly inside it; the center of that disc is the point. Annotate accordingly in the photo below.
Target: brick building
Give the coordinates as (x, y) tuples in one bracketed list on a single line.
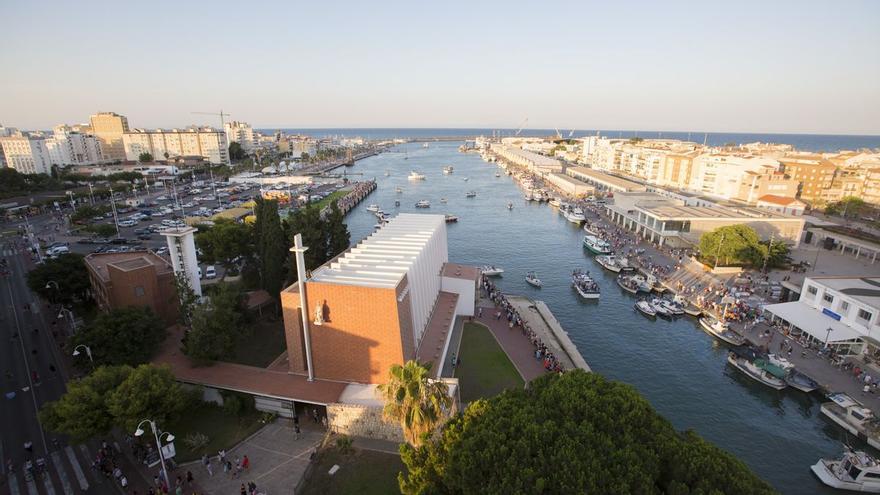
[(139, 278)]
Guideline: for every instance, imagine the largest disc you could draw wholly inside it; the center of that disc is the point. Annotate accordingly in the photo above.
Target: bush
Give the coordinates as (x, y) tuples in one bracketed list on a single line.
[(196, 440), (237, 404), (344, 444)]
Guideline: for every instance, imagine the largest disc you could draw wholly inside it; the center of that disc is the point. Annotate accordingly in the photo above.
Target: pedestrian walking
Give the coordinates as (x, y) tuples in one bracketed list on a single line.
[(222, 456), (189, 477), (324, 422), (245, 463), (479, 312), (315, 415), (207, 462), (123, 481), (296, 431), (243, 490)]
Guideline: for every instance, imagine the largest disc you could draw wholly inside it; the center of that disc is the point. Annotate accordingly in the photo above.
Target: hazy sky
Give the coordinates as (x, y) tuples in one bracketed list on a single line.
[(765, 66)]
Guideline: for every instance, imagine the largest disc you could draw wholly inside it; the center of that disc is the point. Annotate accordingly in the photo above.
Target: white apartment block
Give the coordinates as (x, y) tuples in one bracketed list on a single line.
[(27, 154), (205, 142), (241, 133), (722, 175), (70, 146)]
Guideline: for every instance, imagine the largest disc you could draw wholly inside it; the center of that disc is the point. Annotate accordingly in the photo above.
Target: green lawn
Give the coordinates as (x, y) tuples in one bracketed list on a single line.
[(364, 472), (329, 199), (485, 369), (265, 343), (224, 431)]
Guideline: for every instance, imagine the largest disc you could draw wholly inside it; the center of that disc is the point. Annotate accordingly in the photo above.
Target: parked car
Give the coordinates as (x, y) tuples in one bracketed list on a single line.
[(144, 237), (210, 271)]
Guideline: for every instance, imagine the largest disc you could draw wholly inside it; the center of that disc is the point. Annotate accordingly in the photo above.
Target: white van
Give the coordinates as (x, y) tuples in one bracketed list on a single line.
[(210, 271)]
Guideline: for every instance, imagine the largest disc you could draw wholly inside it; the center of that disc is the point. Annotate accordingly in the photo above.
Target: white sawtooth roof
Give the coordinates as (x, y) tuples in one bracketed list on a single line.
[(382, 258)]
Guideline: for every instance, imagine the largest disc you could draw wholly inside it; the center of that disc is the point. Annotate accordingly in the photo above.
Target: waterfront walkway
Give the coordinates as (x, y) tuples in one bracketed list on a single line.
[(517, 346), (538, 317)]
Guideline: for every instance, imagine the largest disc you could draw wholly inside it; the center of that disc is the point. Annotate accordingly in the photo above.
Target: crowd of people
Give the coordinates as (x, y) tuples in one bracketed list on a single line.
[(358, 191)]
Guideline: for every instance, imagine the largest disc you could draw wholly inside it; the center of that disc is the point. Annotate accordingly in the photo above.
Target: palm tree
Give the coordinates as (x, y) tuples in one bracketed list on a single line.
[(414, 399)]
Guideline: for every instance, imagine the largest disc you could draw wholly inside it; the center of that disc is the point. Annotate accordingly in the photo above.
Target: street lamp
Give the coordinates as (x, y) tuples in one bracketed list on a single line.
[(88, 352), (158, 435), (827, 336), (67, 312), (50, 283)]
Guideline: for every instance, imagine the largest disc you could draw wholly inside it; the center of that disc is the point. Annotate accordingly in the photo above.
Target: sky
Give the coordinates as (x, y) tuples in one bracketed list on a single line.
[(765, 66)]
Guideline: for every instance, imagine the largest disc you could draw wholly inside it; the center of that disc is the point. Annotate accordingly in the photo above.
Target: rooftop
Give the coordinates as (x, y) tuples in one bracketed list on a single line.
[(454, 270), (382, 259), (99, 262), (604, 178), (778, 200), (862, 289)]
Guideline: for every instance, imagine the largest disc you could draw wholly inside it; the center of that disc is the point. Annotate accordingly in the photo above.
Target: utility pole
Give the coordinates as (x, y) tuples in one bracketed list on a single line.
[(113, 209)]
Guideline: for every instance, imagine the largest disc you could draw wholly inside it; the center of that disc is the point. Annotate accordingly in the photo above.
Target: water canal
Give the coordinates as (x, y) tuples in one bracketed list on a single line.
[(681, 370)]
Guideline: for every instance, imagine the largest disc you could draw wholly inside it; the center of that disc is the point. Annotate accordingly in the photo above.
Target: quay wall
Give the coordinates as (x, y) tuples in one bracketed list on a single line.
[(561, 336), (354, 197)]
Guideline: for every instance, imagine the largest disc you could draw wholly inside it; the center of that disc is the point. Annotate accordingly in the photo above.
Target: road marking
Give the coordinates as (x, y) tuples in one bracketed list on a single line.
[(77, 470), (62, 473), (13, 484)]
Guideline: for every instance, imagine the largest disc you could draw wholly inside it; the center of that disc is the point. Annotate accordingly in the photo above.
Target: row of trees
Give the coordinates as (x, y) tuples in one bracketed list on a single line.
[(740, 245), (571, 433)]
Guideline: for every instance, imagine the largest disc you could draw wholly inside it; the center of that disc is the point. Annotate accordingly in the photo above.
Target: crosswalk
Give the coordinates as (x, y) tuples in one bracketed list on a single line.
[(68, 472)]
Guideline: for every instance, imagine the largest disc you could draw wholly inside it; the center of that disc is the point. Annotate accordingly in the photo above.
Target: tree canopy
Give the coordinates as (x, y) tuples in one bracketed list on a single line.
[(68, 271), (338, 237), (148, 392), (236, 152), (571, 433), (216, 326), (145, 157), (271, 246), (848, 207), (225, 241), (740, 245), (414, 400), (123, 336)]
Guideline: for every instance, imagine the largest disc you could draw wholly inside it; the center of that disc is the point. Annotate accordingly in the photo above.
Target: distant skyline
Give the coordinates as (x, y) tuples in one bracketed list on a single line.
[(758, 67)]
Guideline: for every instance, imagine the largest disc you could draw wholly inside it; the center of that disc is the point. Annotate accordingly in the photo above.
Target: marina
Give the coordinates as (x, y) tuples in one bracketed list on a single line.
[(499, 226)]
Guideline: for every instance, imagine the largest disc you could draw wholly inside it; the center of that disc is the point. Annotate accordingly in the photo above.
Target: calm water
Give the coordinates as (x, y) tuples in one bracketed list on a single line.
[(805, 142), (680, 369)]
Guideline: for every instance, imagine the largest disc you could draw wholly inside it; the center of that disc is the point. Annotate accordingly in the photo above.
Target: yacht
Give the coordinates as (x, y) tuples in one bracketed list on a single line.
[(373, 207), (424, 203), (855, 471), (413, 175), (533, 280), (575, 215), (585, 286), (759, 370), (451, 218), (609, 262), (853, 417), (448, 169), (491, 270), (721, 331), (646, 309), (471, 194), (596, 245)]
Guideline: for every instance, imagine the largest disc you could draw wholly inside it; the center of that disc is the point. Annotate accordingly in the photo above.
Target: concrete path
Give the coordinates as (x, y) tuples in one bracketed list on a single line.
[(517, 346)]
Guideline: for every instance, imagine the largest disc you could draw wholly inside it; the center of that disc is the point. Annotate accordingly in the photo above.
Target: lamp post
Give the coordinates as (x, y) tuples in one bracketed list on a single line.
[(88, 352), (67, 312), (827, 336), (158, 435)]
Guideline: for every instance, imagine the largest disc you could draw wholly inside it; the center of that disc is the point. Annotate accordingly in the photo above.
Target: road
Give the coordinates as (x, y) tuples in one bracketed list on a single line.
[(32, 376)]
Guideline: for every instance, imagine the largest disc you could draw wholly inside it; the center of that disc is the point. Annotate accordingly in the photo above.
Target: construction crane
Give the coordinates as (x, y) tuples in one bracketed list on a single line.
[(221, 114), (558, 134), (521, 125), (570, 134)]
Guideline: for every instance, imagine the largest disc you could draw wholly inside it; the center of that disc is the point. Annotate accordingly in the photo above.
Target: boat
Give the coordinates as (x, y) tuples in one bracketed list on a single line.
[(509, 206), (497, 174), (596, 245), (533, 280), (373, 207), (628, 284), (800, 381), (554, 202), (585, 286), (448, 169), (471, 194), (424, 145), (609, 262), (424, 203), (491, 270), (646, 309), (396, 202), (574, 215), (855, 471), (852, 416), (451, 218), (659, 308), (398, 190), (413, 175), (588, 228), (465, 179), (671, 307), (689, 309), (443, 200), (759, 370), (387, 173), (721, 331)]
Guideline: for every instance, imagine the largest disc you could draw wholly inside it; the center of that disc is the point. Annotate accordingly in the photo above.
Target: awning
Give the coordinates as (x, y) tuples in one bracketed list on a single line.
[(814, 322)]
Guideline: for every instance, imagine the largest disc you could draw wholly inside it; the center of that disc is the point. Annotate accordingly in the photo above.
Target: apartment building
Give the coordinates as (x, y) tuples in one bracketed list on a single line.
[(736, 177), (74, 145), (208, 143), (813, 172), (27, 153), (109, 127), (241, 133)]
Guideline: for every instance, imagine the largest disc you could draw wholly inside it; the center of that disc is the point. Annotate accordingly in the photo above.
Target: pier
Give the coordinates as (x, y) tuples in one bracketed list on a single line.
[(541, 320), (356, 193)]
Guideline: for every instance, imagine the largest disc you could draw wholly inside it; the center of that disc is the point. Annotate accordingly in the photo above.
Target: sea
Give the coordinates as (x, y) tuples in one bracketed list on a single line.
[(804, 142), (680, 369)]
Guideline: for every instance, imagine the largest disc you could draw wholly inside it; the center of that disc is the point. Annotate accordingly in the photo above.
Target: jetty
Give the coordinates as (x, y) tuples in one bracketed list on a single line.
[(541, 320)]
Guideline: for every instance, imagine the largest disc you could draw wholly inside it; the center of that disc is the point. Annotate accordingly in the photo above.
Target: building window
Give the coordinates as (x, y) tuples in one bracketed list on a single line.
[(139, 291), (827, 298), (812, 290), (865, 315), (844, 307)]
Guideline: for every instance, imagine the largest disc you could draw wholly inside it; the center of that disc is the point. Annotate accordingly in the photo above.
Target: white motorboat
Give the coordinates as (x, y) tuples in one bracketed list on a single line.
[(451, 218), (659, 309), (491, 270), (554, 202), (424, 145), (497, 174), (387, 173), (443, 200), (413, 175), (852, 416), (721, 331), (688, 308), (609, 262), (424, 203), (466, 179), (398, 190), (575, 215), (373, 207), (758, 370), (596, 245), (645, 308), (671, 307), (448, 169), (588, 228), (855, 471), (471, 194), (533, 280), (509, 206), (628, 284), (800, 381), (585, 286)]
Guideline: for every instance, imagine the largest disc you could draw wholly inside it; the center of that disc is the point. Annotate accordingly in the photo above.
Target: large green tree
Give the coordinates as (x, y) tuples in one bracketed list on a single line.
[(415, 400), (338, 237), (236, 152), (148, 392), (215, 326), (571, 433), (82, 412), (730, 244), (145, 157), (271, 246), (224, 241), (123, 336), (848, 207), (64, 279), (308, 222)]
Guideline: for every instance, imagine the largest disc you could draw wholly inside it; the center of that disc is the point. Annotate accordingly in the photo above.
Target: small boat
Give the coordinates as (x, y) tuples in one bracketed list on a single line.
[(585, 286), (491, 270), (396, 202), (497, 174), (387, 173), (670, 306), (687, 307), (646, 309), (413, 175), (628, 284), (800, 381), (588, 228), (609, 262), (721, 331), (596, 245), (448, 169), (852, 416), (465, 179), (443, 200), (424, 203), (533, 280), (574, 215), (424, 145), (373, 207), (451, 218), (398, 190), (659, 309), (471, 194), (554, 202), (759, 370), (509, 206), (855, 471)]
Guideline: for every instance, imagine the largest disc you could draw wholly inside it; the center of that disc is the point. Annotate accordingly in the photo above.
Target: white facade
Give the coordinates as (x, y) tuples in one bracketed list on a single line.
[(27, 154), (722, 176), (206, 142), (534, 162), (69, 146), (184, 259), (410, 244), (241, 133)]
